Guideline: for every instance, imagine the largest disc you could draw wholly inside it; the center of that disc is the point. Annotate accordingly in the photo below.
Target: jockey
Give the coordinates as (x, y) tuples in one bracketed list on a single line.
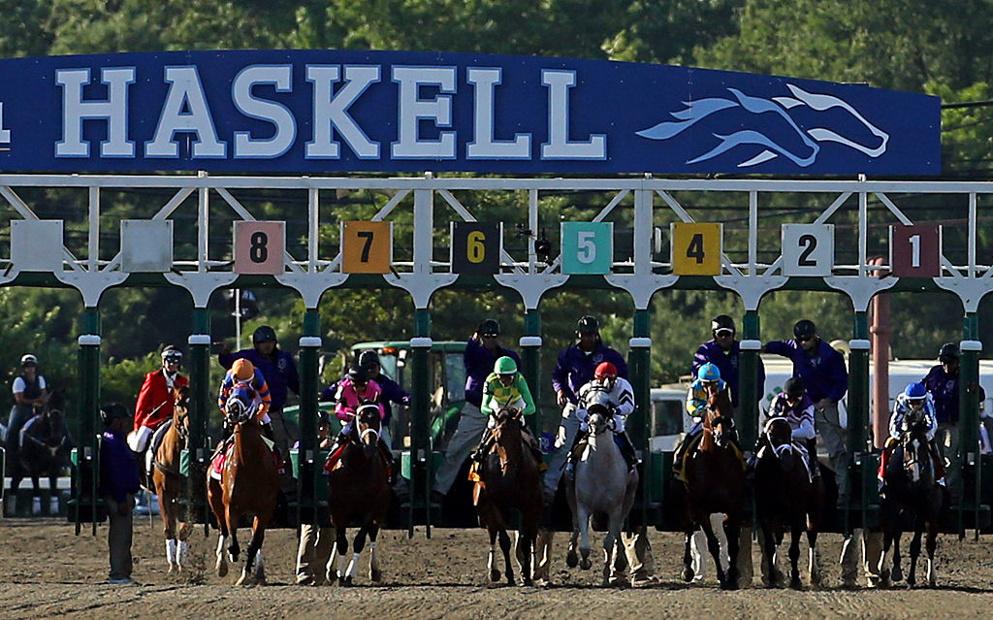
[(242, 371), (354, 390), (708, 382), (914, 399), (155, 400), (620, 397), (505, 388), (797, 408)]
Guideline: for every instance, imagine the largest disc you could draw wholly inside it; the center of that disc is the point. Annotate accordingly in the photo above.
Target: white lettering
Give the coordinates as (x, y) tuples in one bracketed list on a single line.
[(558, 145), (413, 110), (4, 133), (248, 104), (483, 145), (113, 110), (331, 113), (185, 92)]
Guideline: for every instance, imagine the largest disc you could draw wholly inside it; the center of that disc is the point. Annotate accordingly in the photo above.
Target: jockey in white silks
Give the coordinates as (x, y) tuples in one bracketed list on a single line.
[(615, 392)]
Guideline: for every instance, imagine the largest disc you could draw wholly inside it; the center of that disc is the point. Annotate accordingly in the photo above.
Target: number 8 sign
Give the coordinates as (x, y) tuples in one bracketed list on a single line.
[(366, 247), (258, 247)]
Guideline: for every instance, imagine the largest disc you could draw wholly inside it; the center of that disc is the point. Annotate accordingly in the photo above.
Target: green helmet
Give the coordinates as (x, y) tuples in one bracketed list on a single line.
[(505, 366)]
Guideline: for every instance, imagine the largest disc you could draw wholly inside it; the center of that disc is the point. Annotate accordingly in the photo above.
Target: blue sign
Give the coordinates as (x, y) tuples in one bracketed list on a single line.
[(328, 111)]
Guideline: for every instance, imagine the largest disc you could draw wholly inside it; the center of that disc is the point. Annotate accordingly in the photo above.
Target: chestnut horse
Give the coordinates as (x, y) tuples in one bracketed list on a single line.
[(358, 496), (509, 479), (787, 495), (249, 485), (715, 483), (168, 482)]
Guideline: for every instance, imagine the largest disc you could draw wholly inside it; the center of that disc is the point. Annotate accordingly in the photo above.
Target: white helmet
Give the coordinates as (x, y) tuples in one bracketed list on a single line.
[(28, 358)]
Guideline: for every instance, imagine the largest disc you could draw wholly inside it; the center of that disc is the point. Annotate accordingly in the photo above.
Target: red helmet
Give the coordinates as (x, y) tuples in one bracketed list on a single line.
[(605, 370)]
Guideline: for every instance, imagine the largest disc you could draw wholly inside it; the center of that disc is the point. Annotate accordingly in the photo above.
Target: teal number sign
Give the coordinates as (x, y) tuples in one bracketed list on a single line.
[(587, 247)]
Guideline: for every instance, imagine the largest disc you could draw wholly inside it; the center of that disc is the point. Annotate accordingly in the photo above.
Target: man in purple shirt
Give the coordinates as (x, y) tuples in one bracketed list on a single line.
[(725, 353), (575, 368), (118, 486), (481, 352)]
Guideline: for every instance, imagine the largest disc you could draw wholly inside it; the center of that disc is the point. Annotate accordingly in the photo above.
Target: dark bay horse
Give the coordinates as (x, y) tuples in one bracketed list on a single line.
[(358, 496), (509, 479), (787, 496), (911, 499), (168, 482), (715, 483), (249, 485), (44, 450)]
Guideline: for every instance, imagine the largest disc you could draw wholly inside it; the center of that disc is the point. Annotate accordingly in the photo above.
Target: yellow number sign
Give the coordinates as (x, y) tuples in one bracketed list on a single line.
[(696, 249), (366, 247)]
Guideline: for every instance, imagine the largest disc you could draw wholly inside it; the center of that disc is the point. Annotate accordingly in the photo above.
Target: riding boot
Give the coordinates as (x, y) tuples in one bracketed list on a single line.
[(576, 450), (484, 446), (678, 455), (532, 442), (627, 450)]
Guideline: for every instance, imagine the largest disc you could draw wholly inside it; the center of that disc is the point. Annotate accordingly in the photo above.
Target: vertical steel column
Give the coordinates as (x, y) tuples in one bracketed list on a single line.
[(858, 414), (748, 380), (88, 453), (640, 375), (310, 347), (421, 463), (202, 402), (531, 357), (968, 424)]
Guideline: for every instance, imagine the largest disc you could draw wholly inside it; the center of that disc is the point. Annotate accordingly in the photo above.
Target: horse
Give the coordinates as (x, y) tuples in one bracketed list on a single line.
[(911, 497), (509, 478), (249, 485), (714, 478), (787, 494), (358, 496), (168, 482), (44, 450), (603, 483)]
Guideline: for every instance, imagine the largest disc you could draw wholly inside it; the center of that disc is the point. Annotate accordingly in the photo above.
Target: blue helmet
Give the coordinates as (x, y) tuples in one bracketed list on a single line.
[(708, 372), (915, 391)]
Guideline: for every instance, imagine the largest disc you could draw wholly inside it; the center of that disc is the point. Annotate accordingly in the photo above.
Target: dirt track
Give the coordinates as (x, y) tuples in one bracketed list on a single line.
[(51, 572)]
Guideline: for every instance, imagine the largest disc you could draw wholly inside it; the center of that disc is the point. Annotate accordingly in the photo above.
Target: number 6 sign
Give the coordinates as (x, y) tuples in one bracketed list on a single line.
[(366, 247), (587, 247), (258, 247), (808, 249), (476, 248)]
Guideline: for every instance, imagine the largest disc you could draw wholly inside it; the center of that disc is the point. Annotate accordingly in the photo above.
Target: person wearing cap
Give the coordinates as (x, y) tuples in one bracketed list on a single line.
[(481, 352), (724, 351), (30, 393), (280, 372), (316, 543), (118, 486), (619, 396), (576, 366), (913, 400), (156, 402), (505, 388), (942, 383)]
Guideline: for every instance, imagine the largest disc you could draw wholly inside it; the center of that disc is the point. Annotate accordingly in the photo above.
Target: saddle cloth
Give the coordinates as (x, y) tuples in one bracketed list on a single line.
[(217, 465)]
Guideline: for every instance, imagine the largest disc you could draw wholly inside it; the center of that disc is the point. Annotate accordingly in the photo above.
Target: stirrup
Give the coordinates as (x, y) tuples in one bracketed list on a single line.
[(941, 482)]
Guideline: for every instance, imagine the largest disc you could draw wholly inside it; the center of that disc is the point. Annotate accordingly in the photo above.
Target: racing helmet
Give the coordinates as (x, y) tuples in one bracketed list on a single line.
[(242, 369), (505, 366), (804, 329), (709, 373), (588, 325), (915, 391), (369, 357), (263, 333), (357, 374), (172, 354), (949, 352), (793, 388)]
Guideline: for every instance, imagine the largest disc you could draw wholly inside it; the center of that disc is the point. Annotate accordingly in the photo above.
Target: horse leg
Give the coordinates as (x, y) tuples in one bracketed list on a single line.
[(795, 528), (233, 549), (732, 530), (375, 575), (930, 545), (813, 557), (571, 557), (494, 572), (714, 546), (769, 553), (221, 565), (341, 548), (53, 496), (527, 537), (36, 484), (505, 547), (169, 530), (248, 575), (584, 537), (687, 573), (915, 552), (896, 573), (357, 546)]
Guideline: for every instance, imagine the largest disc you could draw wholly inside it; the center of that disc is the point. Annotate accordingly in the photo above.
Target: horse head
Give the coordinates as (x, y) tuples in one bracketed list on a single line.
[(719, 417), (181, 410), (600, 411), (240, 406), (779, 436), (368, 426)]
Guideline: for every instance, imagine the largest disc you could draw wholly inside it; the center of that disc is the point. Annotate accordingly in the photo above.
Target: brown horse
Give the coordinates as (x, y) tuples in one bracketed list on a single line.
[(787, 495), (249, 485), (358, 496), (44, 451), (509, 479), (168, 482), (715, 483)]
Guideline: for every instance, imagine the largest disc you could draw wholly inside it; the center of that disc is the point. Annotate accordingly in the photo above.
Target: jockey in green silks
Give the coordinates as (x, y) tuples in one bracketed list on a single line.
[(506, 388)]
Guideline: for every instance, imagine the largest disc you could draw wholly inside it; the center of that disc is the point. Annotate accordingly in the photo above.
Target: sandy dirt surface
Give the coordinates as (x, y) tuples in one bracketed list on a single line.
[(51, 572)]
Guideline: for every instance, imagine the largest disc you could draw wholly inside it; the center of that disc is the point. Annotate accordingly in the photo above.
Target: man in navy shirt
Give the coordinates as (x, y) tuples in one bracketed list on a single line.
[(725, 353), (481, 352)]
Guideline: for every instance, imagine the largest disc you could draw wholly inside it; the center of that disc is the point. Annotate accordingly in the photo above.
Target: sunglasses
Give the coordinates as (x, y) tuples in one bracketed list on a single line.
[(490, 335), (724, 332), (805, 338)]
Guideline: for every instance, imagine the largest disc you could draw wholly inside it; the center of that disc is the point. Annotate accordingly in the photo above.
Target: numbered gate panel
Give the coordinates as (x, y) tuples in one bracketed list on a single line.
[(259, 247), (36, 245), (915, 251), (476, 248), (366, 247), (146, 246), (808, 249), (587, 247), (696, 248)]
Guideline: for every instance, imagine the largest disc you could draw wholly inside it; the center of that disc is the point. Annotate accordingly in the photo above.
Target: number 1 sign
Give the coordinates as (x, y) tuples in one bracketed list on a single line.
[(808, 249), (915, 251)]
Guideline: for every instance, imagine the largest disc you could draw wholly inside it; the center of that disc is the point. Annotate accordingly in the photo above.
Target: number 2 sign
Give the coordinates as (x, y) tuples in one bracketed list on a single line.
[(808, 249), (258, 247), (366, 247)]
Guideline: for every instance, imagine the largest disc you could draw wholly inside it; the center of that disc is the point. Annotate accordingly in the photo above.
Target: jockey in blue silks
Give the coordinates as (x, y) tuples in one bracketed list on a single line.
[(708, 382)]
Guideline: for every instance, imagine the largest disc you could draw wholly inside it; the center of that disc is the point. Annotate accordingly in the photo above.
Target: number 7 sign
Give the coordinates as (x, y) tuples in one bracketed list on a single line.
[(366, 247)]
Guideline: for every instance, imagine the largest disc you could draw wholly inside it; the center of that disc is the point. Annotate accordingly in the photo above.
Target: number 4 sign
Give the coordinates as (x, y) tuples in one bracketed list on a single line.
[(258, 247), (696, 249), (915, 251)]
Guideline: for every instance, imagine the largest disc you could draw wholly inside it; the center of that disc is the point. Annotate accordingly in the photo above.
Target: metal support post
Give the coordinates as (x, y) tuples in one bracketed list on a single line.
[(858, 416), (748, 380), (640, 373), (531, 358), (87, 458), (421, 466), (310, 347)]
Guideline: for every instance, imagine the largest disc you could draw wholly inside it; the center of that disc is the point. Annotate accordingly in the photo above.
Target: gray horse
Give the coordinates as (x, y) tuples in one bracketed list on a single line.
[(603, 484)]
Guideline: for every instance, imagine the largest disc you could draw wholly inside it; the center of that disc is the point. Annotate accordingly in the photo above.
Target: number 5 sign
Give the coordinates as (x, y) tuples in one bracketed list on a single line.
[(258, 247), (808, 249), (587, 247), (366, 247)]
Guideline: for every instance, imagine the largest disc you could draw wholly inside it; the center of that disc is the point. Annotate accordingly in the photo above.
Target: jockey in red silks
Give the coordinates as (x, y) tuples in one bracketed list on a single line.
[(354, 390), (155, 400)]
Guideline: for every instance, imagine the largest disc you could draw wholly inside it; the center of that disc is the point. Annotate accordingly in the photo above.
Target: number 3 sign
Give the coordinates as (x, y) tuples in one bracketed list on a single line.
[(258, 247)]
